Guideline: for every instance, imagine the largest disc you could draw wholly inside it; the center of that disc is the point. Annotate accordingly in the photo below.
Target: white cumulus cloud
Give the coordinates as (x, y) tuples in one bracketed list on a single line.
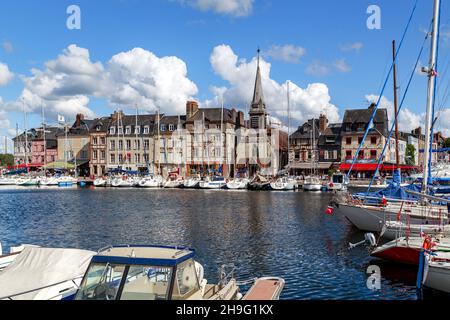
[(342, 66), (140, 77), (287, 53), (407, 120), (5, 74), (305, 102), (355, 46), (235, 8), (134, 78)]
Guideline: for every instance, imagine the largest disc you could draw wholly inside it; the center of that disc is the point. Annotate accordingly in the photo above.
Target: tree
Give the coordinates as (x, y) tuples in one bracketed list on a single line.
[(6, 160), (410, 155), (447, 143)]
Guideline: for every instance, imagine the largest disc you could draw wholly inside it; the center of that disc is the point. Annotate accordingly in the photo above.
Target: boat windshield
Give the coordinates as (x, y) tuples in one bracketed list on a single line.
[(120, 282), (338, 179)]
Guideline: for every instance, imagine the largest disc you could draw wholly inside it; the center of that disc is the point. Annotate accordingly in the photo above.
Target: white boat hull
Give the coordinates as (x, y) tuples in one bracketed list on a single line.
[(212, 185), (237, 185), (437, 275), (367, 218), (312, 187)]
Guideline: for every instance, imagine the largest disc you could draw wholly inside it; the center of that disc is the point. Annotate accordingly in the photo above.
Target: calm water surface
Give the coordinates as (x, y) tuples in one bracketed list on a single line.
[(282, 234)]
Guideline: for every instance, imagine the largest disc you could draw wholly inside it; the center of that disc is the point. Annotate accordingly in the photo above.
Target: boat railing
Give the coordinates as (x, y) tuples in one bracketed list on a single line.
[(226, 273)]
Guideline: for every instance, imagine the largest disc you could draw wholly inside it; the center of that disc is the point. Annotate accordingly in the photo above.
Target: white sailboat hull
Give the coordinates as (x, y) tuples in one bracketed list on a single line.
[(369, 218), (437, 276), (284, 186), (212, 185), (237, 184), (173, 184), (312, 187)]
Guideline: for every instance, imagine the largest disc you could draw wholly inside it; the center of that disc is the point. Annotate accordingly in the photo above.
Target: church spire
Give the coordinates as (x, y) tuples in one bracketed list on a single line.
[(258, 108), (258, 97)]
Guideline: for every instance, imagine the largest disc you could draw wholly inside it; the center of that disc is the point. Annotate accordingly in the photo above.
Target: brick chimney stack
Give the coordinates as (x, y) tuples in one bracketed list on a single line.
[(191, 108), (80, 117), (323, 123)]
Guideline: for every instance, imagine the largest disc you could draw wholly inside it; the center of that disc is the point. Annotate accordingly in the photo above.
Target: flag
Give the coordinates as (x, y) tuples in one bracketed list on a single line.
[(61, 119)]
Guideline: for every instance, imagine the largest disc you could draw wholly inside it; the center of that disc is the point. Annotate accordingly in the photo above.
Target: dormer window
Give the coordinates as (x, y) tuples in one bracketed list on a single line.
[(137, 130), (112, 130), (171, 127), (120, 130), (98, 128), (163, 127), (146, 129), (128, 130)]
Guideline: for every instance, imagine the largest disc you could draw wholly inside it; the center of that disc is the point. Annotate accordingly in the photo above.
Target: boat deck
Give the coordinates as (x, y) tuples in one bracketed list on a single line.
[(265, 290)]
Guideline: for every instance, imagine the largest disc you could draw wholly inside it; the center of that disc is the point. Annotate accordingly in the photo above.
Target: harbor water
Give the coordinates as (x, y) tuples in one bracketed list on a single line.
[(285, 234)]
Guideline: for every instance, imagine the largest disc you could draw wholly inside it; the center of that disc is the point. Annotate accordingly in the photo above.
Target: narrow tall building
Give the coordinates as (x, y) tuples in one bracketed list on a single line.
[(258, 113)]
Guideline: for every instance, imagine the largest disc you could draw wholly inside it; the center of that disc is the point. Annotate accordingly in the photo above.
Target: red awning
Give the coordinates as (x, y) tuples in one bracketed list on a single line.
[(359, 166), (391, 167), (373, 167)]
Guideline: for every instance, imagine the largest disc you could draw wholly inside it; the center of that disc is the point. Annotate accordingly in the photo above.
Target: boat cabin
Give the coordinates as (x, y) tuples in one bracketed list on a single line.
[(142, 273)]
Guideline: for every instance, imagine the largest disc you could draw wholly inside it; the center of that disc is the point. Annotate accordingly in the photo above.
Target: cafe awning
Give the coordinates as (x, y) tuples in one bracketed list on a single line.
[(60, 165)]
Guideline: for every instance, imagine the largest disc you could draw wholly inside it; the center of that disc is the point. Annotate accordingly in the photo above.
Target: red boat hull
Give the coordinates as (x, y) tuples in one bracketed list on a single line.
[(406, 255)]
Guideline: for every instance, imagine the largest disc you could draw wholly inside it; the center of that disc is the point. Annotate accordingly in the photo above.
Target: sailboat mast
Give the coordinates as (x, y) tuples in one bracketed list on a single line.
[(430, 98), (289, 124), (394, 54), (26, 134), (221, 139)]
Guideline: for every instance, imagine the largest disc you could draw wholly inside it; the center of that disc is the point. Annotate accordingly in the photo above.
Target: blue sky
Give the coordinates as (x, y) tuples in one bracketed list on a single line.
[(322, 33)]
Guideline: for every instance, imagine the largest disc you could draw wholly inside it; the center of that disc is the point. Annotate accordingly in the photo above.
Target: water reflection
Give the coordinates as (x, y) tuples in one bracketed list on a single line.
[(262, 233)]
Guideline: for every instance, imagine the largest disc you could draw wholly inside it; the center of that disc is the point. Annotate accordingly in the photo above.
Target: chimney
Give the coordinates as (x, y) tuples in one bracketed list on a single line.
[(323, 123), (115, 115), (191, 108), (80, 117), (241, 119)]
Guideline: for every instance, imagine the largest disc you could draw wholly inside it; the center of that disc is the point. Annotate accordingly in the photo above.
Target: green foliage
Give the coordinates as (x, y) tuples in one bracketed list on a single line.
[(6, 160), (410, 155), (447, 143)]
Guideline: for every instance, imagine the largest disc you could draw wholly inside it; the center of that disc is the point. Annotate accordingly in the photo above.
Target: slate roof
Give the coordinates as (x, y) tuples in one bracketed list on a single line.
[(304, 131), (357, 116), (214, 115)]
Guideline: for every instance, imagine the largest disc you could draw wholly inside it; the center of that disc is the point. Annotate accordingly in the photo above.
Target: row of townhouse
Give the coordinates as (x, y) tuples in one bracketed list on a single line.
[(323, 146)]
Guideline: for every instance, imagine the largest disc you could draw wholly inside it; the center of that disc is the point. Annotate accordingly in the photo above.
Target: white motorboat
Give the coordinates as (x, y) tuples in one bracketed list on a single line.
[(338, 182), (100, 182), (238, 184), (173, 181), (192, 183), (44, 274), (6, 259), (151, 182), (123, 182), (213, 183), (283, 184), (163, 273), (312, 184)]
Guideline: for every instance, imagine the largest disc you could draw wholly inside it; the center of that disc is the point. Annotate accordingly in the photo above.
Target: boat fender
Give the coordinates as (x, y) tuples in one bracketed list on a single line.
[(331, 185), (427, 244), (329, 211)]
